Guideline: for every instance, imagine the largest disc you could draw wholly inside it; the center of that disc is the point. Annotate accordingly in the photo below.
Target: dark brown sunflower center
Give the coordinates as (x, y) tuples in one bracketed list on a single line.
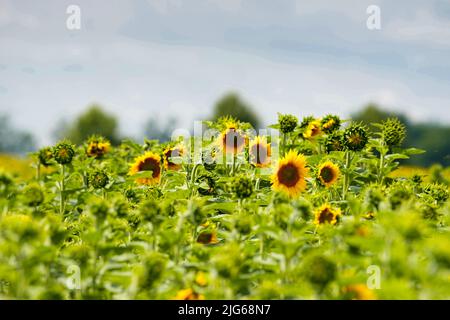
[(150, 165), (172, 153), (205, 237), (288, 175), (233, 140), (327, 174), (259, 153), (326, 216), (315, 131)]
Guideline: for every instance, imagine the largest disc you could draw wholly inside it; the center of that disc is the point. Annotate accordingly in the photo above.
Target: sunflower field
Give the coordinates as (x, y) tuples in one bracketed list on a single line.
[(307, 209)]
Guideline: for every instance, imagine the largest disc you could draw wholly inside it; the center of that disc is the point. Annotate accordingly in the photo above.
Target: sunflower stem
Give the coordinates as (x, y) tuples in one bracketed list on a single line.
[(62, 189), (381, 166), (233, 165), (38, 171), (346, 174), (283, 149), (193, 177)]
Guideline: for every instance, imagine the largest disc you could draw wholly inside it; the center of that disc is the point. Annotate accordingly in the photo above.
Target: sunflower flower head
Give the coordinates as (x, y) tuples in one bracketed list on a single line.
[(355, 137), (312, 130), (327, 214), (201, 279), (33, 195), (306, 121), (98, 179), (97, 147), (358, 291), (45, 155), (188, 294), (64, 152), (393, 132), (319, 270), (330, 123), (242, 187), (207, 237), (328, 173), (232, 139), (149, 161), (333, 142), (287, 122), (259, 152), (169, 154), (289, 176)]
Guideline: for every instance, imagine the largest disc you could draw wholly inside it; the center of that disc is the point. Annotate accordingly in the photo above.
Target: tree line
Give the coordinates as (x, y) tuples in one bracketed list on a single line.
[(431, 137)]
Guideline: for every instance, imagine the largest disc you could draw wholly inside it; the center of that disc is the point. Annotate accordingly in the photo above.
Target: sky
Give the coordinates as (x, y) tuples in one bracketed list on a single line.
[(162, 58)]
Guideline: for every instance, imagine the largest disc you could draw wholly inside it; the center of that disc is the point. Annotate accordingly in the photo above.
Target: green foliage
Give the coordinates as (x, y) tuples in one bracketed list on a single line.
[(88, 229)]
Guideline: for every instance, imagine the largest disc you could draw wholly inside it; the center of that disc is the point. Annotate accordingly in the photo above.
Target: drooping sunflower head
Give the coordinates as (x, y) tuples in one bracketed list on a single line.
[(287, 122), (312, 130), (328, 173), (188, 294), (393, 132), (260, 152), (327, 214), (149, 161), (355, 137), (333, 142), (45, 156), (330, 123), (97, 146), (169, 154), (232, 139), (64, 152), (289, 176)]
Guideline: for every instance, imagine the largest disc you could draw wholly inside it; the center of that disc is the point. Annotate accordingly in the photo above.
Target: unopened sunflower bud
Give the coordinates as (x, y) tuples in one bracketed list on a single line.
[(63, 152), (287, 122), (393, 132)]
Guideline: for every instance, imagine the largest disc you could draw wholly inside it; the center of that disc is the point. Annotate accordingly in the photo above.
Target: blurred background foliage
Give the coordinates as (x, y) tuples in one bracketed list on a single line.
[(432, 137)]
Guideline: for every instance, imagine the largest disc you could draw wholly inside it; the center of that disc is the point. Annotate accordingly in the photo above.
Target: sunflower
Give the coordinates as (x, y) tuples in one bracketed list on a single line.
[(328, 173), (98, 147), (207, 237), (358, 292), (172, 152), (201, 279), (232, 140), (312, 130), (330, 123), (290, 174), (327, 214), (147, 162), (259, 152), (188, 294)]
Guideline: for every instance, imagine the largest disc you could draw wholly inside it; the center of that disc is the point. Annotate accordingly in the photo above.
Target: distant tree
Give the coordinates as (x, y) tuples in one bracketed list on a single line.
[(93, 121), (155, 130), (232, 105), (13, 140), (428, 136), (373, 113)]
